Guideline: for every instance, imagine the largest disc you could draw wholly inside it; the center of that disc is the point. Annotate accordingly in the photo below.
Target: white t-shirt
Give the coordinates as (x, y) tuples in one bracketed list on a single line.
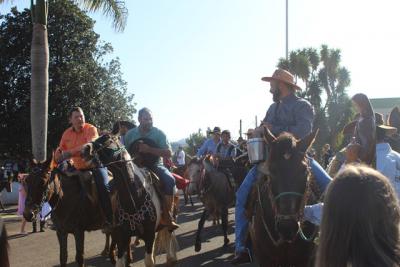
[(180, 158)]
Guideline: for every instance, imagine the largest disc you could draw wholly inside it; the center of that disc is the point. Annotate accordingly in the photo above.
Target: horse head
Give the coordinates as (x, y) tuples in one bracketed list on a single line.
[(104, 150), (288, 180), (193, 173), (36, 185)]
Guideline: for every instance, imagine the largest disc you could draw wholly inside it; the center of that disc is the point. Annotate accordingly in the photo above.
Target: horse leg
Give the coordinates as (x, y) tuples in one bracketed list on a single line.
[(149, 247), (111, 252), (122, 243), (172, 258), (2, 207), (129, 251), (191, 200), (197, 244), (106, 249), (224, 219), (79, 246), (62, 241), (185, 195)]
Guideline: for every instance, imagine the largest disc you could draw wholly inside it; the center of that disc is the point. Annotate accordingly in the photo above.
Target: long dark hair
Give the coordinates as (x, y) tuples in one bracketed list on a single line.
[(360, 223), (4, 261), (365, 105)]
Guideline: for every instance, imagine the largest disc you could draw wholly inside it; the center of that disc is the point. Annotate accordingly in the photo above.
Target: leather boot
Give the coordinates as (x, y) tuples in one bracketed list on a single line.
[(167, 218)]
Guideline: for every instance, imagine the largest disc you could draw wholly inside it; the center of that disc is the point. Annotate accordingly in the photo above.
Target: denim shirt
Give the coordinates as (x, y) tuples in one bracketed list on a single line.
[(388, 163), (224, 150), (292, 114), (208, 147)]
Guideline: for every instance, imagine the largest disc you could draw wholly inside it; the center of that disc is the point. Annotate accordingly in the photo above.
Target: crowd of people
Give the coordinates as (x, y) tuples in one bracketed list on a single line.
[(359, 215)]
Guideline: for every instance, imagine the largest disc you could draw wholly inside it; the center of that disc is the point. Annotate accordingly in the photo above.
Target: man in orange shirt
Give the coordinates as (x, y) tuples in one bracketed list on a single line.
[(71, 144)]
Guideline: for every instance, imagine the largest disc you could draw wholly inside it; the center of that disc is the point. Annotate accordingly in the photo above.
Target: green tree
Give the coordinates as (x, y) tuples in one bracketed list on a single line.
[(194, 142), (79, 75), (325, 82), (40, 62)]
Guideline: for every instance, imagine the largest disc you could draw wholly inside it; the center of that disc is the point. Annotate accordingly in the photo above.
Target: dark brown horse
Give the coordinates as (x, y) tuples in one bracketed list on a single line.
[(279, 235), (138, 210), (217, 194), (74, 203)]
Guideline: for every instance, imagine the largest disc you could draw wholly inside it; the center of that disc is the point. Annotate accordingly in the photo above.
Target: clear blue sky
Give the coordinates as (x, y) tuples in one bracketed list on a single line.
[(198, 63)]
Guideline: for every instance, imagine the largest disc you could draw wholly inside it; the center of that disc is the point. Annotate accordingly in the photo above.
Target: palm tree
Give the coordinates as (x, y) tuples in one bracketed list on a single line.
[(40, 62)]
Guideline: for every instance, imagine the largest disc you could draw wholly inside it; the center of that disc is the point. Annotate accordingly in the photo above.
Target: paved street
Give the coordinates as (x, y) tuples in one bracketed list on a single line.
[(41, 249)]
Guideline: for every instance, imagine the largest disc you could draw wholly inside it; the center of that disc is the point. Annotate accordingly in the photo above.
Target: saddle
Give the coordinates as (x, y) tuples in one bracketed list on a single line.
[(86, 182)]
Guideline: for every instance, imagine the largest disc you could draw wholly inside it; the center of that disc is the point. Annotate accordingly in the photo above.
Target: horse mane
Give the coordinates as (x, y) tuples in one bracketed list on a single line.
[(284, 144)]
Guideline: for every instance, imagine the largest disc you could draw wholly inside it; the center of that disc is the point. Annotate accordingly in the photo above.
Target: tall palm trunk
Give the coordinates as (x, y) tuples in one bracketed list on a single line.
[(39, 80)]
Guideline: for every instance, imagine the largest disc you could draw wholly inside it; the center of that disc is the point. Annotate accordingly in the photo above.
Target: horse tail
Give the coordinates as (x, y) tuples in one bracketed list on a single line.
[(166, 242)]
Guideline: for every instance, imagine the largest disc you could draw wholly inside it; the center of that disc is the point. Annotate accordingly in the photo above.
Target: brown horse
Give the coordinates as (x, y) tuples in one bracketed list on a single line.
[(74, 203), (138, 210), (279, 235), (217, 194)]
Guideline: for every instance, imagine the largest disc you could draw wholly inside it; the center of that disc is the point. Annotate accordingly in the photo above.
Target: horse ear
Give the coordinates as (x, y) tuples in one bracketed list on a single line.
[(47, 162), (304, 144), (268, 135)]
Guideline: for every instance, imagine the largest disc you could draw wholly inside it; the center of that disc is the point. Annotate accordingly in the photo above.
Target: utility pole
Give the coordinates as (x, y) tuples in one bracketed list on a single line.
[(287, 29), (256, 121), (240, 128)]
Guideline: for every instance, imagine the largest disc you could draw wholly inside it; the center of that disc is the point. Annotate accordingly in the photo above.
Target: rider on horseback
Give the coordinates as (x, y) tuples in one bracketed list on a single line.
[(146, 130), (71, 144), (288, 113), (210, 145), (224, 154)]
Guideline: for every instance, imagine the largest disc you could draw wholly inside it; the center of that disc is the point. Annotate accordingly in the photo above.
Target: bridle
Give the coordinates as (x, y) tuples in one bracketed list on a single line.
[(46, 195), (135, 220), (297, 216)]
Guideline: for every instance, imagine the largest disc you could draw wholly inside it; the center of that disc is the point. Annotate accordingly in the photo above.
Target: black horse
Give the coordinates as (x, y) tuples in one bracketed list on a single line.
[(138, 207), (279, 234)]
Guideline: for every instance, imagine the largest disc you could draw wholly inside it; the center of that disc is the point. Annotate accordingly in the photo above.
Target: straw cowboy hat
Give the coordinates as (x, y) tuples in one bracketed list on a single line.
[(389, 130), (282, 75), (250, 131)]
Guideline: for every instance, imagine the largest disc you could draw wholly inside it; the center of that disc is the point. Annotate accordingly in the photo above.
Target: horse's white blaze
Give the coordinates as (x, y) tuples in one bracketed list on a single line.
[(148, 260), (121, 262)]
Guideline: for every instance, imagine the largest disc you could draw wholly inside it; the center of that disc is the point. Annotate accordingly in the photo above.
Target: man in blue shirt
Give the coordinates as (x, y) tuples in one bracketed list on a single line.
[(224, 154), (210, 145), (288, 113), (163, 149)]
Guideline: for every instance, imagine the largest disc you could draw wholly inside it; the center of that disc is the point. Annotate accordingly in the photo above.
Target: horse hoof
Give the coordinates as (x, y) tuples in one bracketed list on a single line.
[(226, 242), (197, 247)]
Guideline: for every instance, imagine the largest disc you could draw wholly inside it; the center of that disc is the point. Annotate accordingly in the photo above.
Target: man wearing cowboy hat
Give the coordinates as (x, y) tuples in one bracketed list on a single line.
[(387, 160), (210, 145), (288, 113)]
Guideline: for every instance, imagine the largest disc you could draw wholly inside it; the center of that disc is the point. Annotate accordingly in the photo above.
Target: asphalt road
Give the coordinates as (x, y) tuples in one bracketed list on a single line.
[(41, 249)]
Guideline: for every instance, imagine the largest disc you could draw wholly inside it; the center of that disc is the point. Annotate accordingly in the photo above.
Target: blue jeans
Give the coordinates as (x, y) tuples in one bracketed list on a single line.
[(241, 222), (101, 180), (167, 180)]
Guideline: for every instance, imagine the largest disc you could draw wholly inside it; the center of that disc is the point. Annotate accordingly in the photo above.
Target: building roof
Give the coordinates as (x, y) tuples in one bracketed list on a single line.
[(384, 103)]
